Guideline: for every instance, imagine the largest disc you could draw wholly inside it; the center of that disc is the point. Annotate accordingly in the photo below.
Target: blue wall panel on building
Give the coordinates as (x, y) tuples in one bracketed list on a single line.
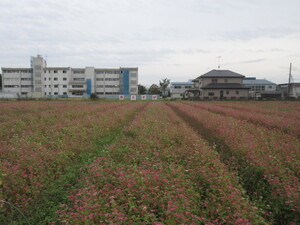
[(125, 88), (89, 86)]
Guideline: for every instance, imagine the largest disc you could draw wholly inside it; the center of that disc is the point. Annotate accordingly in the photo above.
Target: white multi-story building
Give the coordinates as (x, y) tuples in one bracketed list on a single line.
[(40, 80)]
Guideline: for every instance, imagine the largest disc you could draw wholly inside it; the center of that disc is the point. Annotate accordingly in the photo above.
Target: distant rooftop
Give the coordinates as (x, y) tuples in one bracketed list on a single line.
[(250, 78), (221, 73), (257, 82), (182, 83)]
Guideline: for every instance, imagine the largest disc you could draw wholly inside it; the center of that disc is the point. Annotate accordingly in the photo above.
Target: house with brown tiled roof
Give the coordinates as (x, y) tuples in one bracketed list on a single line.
[(219, 84)]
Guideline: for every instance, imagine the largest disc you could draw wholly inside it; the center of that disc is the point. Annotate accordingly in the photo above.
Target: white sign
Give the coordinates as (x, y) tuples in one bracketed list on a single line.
[(144, 97), (121, 97), (133, 97), (154, 97)]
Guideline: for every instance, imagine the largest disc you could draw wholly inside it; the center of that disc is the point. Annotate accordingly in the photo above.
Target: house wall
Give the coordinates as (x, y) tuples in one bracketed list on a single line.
[(56, 81), (206, 81), (227, 93), (178, 90), (17, 81), (261, 87)]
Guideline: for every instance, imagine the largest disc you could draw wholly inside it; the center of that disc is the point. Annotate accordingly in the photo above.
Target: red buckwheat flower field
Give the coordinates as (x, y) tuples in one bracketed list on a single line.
[(164, 162)]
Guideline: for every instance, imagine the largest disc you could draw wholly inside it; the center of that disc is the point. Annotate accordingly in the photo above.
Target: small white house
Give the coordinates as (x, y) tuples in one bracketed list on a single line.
[(178, 89), (261, 88), (293, 89)]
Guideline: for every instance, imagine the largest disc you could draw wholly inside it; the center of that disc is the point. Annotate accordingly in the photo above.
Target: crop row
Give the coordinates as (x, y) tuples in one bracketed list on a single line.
[(273, 107), (267, 161), (159, 171), (23, 122), (49, 148), (287, 122)]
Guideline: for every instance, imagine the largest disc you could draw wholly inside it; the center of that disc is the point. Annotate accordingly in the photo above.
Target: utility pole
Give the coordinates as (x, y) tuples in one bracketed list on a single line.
[(290, 79)]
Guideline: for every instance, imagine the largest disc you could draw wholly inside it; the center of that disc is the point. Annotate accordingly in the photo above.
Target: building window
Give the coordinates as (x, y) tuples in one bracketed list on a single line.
[(214, 80), (25, 71), (78, 72), (56, 86), (49, 93), (133, 75), (64, 71), (28, 79), (78, 79), (55, 78), (227, 92), (64, 78), (45, 78), (99, 86), (211, 93), (49, 86), (45, 93), (55, 71), (64, 93), (77, 86), (237, 92), (177, 87), (133, 82), (99, 79), (226, 80), (11, 86), (188, 87), (108, 79), (49, 78), (77, 93), (65, 86), (55, 93), (11, 79)]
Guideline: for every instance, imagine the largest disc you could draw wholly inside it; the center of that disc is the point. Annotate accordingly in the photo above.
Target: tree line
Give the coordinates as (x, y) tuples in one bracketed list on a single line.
[(161, 89)]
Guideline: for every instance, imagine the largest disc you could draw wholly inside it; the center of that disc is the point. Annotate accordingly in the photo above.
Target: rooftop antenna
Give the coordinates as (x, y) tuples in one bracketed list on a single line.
[(219, 59)]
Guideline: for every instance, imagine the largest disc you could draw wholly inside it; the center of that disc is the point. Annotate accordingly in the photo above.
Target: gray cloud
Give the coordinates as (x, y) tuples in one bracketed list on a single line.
[(150, 34), (267, 50), (246, 61)]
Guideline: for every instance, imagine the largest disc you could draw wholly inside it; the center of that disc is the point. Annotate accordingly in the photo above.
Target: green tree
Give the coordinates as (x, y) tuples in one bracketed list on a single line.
[(93, 96), (142, 89), (164, 83), (154, 89)]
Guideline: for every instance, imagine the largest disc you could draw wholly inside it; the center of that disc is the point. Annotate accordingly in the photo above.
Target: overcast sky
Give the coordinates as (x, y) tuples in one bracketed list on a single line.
[(175, 39)]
